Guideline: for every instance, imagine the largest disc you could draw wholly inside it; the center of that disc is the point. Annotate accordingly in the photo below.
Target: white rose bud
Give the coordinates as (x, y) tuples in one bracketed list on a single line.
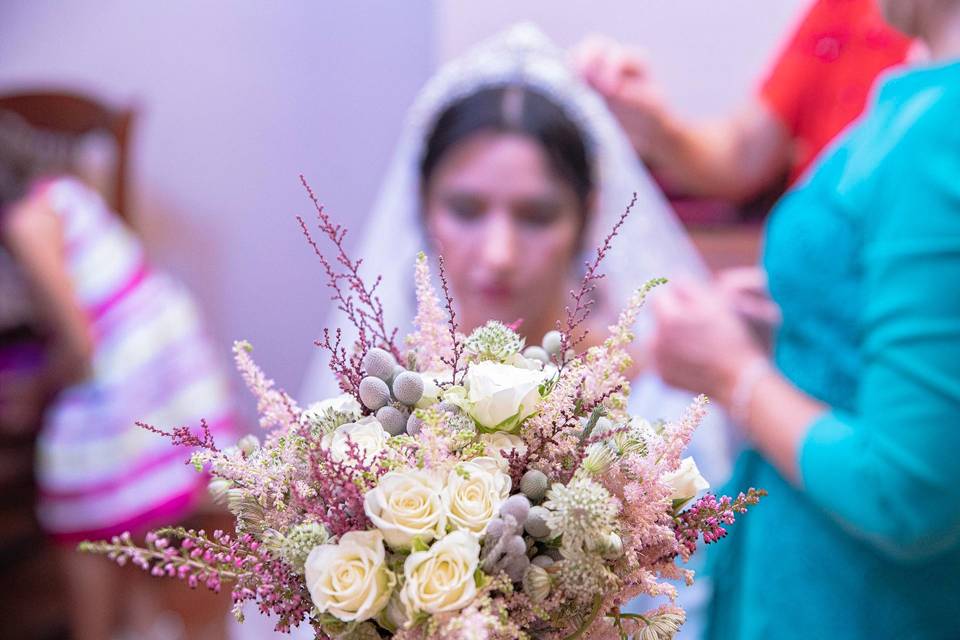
[(474, 492), (407, 505), (552, 341), (499, 444), (367, 433), (350, 580), (394, 616), (248, 444), (613, 547), (686, 481), (432, 389), (441, 578), (499, 396)]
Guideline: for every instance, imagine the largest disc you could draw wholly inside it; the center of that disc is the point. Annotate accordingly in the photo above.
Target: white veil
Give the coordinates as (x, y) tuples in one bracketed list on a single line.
[(651, 243)]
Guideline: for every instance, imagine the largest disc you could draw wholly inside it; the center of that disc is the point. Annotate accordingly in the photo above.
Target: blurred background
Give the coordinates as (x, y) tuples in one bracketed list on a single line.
[(212, 109), (232, 100)]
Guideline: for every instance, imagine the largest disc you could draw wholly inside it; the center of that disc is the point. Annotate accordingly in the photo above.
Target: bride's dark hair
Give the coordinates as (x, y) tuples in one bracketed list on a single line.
[(514, 109)]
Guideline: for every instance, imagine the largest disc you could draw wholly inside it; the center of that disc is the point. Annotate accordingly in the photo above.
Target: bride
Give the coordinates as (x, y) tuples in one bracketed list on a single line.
[(514, 171)]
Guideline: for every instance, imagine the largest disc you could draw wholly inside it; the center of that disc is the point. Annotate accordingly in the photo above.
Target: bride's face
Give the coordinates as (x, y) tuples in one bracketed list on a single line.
[(507, 228)]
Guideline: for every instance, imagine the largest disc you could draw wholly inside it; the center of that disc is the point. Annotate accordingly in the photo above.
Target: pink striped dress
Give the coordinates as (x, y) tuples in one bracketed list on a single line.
[(98, 473)]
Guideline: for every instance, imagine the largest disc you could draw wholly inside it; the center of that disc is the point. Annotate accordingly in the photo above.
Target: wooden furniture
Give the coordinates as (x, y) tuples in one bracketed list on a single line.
[(76, 115)]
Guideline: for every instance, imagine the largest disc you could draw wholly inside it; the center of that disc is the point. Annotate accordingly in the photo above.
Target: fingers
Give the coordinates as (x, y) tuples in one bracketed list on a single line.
[(607, 65), (752, 279), (667, 306), (589, 57)]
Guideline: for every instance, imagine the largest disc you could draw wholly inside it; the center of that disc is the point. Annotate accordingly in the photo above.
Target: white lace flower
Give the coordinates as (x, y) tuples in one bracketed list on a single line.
[(583, 512)]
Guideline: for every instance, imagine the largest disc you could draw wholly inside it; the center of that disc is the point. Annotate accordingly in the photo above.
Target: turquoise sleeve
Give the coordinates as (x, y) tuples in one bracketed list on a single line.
[(889, 471)]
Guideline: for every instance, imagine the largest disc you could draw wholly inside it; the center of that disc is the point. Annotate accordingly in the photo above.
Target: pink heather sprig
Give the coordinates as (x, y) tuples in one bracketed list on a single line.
[(707, 517), (186, 436), (348, 369), (516, 465), (582, 299), (276, 408), (430, 343), (368, 315), (457, 346), (199, 560), (338, 488)]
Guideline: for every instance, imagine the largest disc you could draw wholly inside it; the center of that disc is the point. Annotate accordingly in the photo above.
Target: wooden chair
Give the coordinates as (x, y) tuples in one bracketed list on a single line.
[(76, 115)]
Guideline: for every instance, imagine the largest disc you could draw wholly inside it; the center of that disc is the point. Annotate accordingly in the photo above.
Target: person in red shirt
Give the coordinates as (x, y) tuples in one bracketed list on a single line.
[(818, 84)]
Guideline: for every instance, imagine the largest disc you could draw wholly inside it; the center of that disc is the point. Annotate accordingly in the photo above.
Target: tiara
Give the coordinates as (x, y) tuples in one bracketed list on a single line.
[(519, 55)]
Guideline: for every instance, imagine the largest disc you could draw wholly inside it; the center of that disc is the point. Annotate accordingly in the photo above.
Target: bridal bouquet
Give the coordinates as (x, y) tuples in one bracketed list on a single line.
[(462, 486)]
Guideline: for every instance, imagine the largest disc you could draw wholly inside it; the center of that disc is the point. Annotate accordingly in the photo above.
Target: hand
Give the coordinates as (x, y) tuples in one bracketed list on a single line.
[(700, 342), (621, 75), (745, 289)]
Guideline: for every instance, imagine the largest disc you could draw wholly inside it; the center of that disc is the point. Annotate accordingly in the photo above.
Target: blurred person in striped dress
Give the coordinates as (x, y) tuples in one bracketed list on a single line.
[(123, 343)]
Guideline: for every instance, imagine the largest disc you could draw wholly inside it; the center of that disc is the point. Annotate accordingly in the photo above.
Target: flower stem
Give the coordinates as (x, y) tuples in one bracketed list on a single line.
[(576, 635)]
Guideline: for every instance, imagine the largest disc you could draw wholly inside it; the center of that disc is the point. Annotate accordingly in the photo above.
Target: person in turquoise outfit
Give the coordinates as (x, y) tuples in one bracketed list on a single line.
[(855, 427)]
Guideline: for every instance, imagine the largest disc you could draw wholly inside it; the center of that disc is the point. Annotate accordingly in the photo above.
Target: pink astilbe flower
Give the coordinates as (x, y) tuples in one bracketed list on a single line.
[(276, 408), (430, 343), (265, 477), (608, 362), (433, 450), (676, 436)]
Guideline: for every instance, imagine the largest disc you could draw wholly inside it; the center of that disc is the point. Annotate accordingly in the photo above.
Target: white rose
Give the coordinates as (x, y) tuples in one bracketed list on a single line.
[(344, 403), (499, 396), (499, 444), (474, 492), (686, 481), (367, 433), (441, 578), (407, 505), (350, 580)]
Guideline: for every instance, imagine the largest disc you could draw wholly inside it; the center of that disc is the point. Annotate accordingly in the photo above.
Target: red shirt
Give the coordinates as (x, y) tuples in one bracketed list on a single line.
[(821, 80)]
